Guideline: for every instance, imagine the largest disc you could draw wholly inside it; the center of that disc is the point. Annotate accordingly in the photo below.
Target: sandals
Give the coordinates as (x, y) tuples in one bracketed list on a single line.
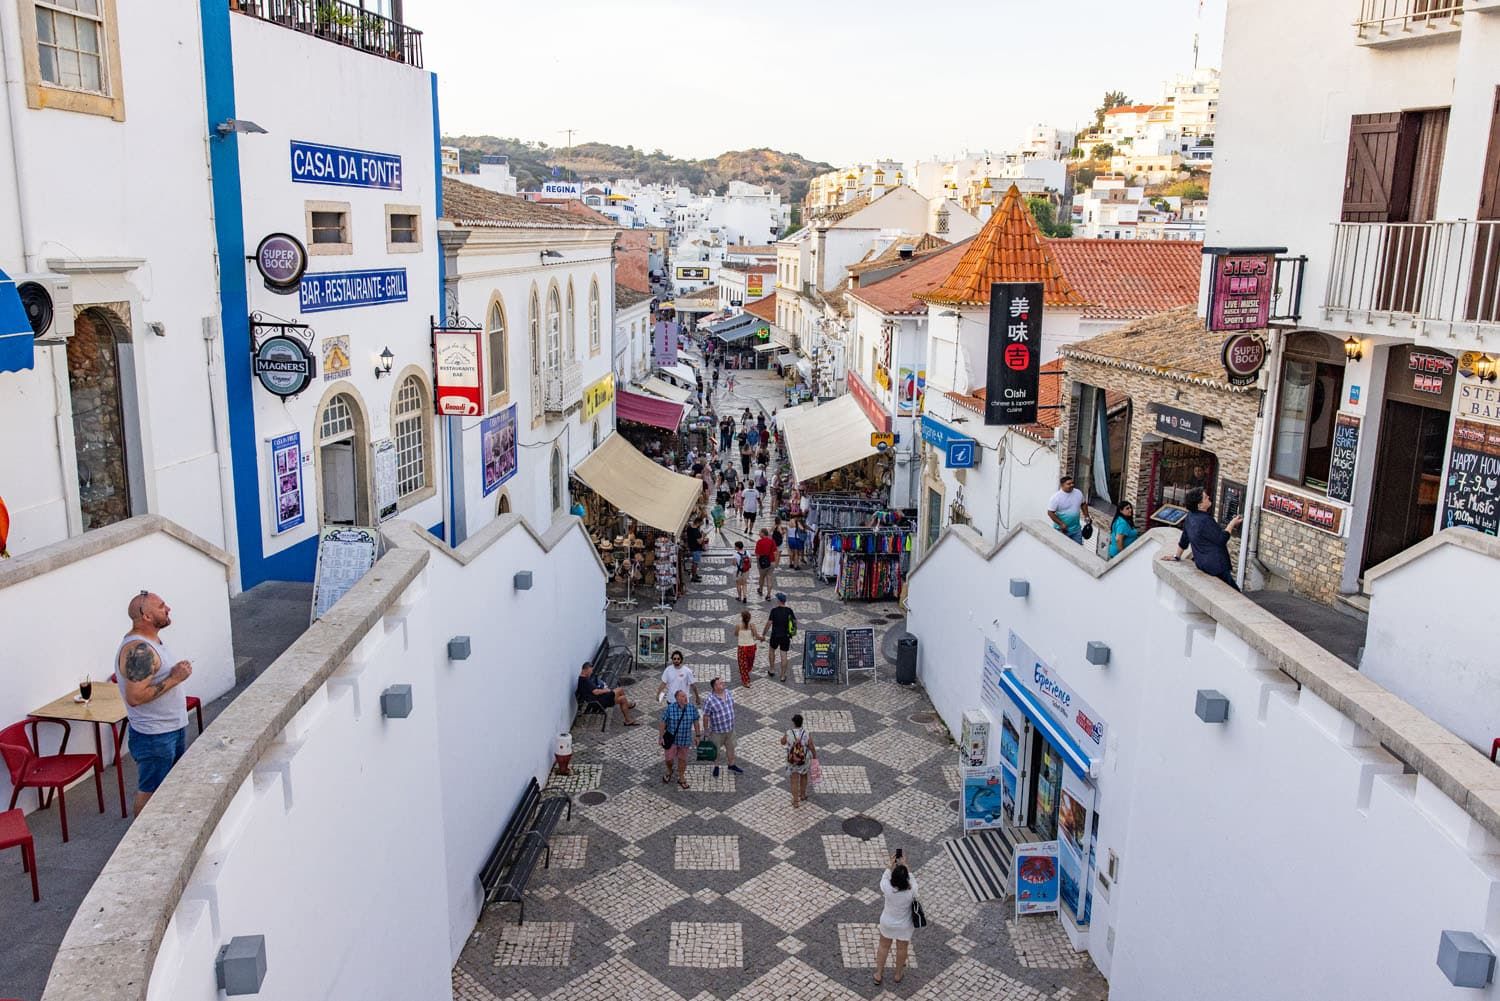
[(665, 779), (683, 783), (877, 978)]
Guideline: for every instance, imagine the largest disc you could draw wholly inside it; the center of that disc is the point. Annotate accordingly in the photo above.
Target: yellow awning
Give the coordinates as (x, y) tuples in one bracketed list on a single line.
[(820, 439), (664, 389), (649, 493)]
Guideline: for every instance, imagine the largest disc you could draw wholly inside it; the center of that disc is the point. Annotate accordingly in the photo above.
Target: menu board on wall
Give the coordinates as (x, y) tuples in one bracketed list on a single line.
[(1341, 464), (1472, 497), (345, 554), (385, 479)]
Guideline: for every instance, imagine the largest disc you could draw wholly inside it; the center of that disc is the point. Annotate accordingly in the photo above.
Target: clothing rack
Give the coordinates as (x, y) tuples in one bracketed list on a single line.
[(835, 511), (866, 564)]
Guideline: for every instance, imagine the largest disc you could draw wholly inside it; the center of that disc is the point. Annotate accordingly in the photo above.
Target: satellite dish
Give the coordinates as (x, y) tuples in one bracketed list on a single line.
[(37, 302)]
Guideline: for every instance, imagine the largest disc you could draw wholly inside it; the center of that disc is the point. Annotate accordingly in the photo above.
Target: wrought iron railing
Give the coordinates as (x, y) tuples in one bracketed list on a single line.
[(1443, 277), (341, 23), (1391, 20), (1286, 290)]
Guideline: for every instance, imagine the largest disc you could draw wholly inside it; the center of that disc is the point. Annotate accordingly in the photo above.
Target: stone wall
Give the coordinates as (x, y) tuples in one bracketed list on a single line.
[(1311, 560), (98, 424)]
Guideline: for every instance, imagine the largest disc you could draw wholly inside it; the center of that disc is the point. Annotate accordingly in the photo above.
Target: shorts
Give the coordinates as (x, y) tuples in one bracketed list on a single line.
[(796, 544), (679, 752), (723, 741), (780, 642), (767, 574), (750, 517), (607, 700), (155, 754), (697, 555)]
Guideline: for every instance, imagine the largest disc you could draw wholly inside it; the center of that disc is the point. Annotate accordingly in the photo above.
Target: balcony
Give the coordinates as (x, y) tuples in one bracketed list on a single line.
[(1403, 22), (342, 23), (1435, 279), (562, 387)]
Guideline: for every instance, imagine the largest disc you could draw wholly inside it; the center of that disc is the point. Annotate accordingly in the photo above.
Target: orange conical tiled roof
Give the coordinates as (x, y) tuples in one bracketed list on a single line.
[(1009, 248)]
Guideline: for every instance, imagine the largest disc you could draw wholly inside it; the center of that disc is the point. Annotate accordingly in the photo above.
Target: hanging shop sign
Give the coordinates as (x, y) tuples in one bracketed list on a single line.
[(1240, 297), (597, 396), (1014, 366), (345, 554), (1324, 517), (1036, 882), (882, 440), (1341, 462), (1478, 402), (329, 290), (337, 362), (867, 402), (651, 640), (821, 650), (1178, 423), (912, 389), (1243, 355), (755, 286), (286, 477), (497, 444), (281, 260), (984, 798), (386, 489), (1076, 716), (458, 370), (280, 357), (1472, 497), (664, 344), (343, 166), (960, 454)]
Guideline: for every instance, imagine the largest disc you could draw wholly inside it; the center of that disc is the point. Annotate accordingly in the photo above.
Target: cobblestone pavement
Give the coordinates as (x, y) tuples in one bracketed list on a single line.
[(725, 893)]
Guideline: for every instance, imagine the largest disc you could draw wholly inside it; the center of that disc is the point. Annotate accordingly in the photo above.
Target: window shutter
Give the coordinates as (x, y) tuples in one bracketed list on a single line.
[(1377, 181), (1489, 185)]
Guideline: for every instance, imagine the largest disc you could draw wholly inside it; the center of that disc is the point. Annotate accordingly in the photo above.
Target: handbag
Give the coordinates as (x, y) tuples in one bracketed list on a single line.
[(666, 739), (918, 916), (707, 750), (814, 772)]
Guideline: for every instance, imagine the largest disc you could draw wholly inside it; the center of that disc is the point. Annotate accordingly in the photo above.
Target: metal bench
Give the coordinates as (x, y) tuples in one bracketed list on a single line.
[(610, 665), (523, 841)]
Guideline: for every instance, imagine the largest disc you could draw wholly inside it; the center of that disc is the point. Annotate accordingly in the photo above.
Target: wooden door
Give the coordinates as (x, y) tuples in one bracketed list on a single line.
[(1484, 275)]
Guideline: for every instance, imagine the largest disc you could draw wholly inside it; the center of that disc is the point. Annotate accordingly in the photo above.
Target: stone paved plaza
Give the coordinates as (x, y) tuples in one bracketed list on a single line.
[(725, 893)]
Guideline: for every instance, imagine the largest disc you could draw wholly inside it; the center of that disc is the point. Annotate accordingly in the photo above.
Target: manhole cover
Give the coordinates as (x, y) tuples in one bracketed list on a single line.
[(922, 717), (894, 618), (592, 798), (877, 622), (862, 827), (953, 805)]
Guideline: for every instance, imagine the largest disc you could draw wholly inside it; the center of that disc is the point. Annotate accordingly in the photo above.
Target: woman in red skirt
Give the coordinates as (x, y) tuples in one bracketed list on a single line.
[(746, 637)]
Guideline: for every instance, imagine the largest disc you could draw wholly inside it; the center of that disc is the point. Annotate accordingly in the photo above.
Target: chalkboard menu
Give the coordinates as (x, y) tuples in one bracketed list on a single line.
[(1341, 464), (1231, 500), (859, 650), (820, 655), (345, 554), (1473, 496)]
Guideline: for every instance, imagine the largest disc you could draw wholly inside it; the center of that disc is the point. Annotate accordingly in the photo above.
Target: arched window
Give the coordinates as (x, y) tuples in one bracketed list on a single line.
[(409, 425), (342, 466), (534, 329), (554, 330), (495, 344), (596, 432), (557, 480), (572, 325), (594, 317)]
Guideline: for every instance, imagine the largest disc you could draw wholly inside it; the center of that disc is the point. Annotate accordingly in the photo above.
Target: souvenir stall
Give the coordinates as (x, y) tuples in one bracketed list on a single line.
[(871, 563)]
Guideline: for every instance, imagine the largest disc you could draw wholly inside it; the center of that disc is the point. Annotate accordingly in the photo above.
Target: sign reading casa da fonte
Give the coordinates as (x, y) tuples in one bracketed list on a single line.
[(1015, 357)]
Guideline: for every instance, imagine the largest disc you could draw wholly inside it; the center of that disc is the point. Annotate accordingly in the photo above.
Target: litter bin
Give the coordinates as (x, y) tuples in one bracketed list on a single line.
[(906, 660)]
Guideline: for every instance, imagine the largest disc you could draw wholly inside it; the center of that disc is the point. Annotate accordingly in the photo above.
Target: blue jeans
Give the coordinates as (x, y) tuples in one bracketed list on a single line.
[(155, 754), (1074, 532)]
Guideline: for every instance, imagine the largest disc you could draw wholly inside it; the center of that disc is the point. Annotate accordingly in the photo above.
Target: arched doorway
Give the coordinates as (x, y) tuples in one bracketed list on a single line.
[(343, 463), (106, 431), (504, 506)]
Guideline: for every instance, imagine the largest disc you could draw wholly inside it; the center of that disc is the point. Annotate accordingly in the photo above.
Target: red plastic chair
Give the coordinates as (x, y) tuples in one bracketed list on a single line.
[(194, 704), (15, 834), (29, 770)]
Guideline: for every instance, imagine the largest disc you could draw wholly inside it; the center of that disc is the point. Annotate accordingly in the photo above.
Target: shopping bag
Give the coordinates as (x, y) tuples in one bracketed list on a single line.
[(814, 772), (707, 750)]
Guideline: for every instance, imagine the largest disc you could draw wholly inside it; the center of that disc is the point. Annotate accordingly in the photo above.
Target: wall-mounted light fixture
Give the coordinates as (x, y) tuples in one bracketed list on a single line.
[(1353, 349), (459, 648), (1485, 368), (1465, 960), (241, 965), (395, 702), (522, 580), (551, 253), (237, 126), (386, 361), (1097, 653), (1212, 707), (1019, 587)]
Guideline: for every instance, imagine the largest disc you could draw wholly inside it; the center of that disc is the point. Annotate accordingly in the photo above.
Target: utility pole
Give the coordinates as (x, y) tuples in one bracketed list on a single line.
[(569, 134)]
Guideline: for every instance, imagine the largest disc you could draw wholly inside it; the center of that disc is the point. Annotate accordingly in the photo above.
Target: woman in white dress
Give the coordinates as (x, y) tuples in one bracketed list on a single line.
[(899, 889)]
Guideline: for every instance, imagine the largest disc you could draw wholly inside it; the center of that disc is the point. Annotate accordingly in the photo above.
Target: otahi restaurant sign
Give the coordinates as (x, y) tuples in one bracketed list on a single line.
[(1013, 372)]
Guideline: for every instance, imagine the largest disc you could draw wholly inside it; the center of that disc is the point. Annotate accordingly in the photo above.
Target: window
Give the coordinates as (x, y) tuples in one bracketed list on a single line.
[(534, 331), (338, 421), (495, 344), (71, 56), (594, 318), (557, 481), (409, 424), (403, 229), (1312, 377), (572, 327), (1099, 444), (554, 330), (328, 230)]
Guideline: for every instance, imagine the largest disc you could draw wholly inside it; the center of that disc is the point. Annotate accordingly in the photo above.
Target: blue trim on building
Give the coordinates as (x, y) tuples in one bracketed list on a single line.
[(442, 311), (1051, 729)]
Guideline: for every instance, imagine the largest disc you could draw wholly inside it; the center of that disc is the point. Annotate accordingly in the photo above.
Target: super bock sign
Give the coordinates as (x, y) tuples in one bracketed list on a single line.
[(1015, 353)]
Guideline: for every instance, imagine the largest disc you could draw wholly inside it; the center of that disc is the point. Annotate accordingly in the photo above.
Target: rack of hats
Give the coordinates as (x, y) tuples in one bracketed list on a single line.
[(872, 562)]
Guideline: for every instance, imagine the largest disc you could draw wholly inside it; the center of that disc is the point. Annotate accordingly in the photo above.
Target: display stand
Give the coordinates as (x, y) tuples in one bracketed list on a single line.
[(620, 567), (859, 652)]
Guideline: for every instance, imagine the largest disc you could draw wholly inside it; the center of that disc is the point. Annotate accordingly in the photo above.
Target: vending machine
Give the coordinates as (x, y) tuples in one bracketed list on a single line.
[(974, 744)]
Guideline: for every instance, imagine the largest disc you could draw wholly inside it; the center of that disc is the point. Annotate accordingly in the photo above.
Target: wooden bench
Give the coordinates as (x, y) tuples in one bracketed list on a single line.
[(610, 665), (523, 841)]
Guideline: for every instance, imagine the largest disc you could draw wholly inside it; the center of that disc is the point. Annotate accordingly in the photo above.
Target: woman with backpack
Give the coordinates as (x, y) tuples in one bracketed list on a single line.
[(800, 754), (741, 572), (746, 638)]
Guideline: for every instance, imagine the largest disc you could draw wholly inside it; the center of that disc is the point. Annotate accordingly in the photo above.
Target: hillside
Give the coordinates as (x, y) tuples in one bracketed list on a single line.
[(787, 173)]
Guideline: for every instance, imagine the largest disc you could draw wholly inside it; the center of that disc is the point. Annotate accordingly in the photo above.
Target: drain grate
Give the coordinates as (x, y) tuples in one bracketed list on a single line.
[(592, 798), (922, 717), (862, 827)]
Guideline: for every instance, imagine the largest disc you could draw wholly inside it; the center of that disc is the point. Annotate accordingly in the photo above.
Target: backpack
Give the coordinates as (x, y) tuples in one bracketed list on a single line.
[(742, 564), (796, 752)]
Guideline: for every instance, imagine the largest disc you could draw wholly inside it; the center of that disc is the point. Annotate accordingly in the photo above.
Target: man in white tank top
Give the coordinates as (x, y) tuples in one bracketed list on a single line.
[(147, 671)]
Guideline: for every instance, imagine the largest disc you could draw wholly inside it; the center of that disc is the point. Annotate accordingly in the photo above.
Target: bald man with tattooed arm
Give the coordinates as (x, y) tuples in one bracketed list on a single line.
[(147, 673)]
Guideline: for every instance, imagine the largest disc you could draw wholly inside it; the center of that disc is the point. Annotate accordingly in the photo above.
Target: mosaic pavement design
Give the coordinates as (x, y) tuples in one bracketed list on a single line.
[(724, 893)]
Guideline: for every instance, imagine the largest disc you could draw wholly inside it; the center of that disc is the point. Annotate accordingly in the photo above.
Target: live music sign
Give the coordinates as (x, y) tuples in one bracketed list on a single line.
[(1015, 355)]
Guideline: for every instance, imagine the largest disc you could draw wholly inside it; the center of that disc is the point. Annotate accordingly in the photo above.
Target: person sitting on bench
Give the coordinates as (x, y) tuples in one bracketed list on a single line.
[(588, 691)]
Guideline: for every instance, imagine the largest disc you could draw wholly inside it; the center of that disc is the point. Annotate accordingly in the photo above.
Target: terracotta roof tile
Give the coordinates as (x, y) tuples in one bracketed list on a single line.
[(1009, 248), (471, 206), (625, 296), (1173, 344), (1127, 279), (897, 295), (921, 246), (763, 308), (1049, 394), (1130, 109)]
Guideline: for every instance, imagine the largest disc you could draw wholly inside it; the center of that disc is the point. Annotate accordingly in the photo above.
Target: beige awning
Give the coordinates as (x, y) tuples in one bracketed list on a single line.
[(667, 391), (649, 493), (820, 439)]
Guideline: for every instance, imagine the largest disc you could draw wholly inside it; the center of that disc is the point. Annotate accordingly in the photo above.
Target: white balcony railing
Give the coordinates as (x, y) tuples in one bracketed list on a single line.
[(1388, 22), (562, 387), (1442, 278)]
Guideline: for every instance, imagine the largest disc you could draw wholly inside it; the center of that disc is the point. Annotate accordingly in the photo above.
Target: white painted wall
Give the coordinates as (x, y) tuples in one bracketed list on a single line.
[(46, 663), (1238, 844)]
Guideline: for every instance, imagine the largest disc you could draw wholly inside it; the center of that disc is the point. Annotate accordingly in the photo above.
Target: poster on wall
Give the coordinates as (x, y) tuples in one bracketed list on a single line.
[(984, 798), (1075, 845), (651, 640), (664, 343), (497, 444), (458, 371), (1036, 879), (286, 474), (345, 554), (385, 479), (991, 696), (912, 386)]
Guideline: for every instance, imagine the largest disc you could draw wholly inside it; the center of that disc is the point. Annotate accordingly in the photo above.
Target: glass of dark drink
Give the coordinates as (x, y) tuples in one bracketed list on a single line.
[(85, 688)]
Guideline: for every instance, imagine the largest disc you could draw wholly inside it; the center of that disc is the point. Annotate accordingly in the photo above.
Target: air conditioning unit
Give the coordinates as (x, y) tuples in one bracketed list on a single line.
[(562, 388), (47, 298)]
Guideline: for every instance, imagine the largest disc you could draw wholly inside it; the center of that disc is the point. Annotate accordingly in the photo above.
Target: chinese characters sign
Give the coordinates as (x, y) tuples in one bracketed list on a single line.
[(1242, 289), (1015, 356)]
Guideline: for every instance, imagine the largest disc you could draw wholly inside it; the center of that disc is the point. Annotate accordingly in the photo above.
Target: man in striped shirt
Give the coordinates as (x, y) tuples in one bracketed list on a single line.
[(718, 708)]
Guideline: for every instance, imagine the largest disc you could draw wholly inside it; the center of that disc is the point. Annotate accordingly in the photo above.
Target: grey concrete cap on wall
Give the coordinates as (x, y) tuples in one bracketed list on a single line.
[(1019, 587), (241, 966), (395, 702), (523, 580), (1212, 707), (1097, 653), (1465, 960), (459, 648)]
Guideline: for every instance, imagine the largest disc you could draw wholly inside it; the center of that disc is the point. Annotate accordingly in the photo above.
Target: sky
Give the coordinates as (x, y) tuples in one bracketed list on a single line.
[(832, 81)]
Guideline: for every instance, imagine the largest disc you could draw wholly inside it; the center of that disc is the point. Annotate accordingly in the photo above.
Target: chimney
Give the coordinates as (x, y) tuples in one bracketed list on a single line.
[(905, 251)]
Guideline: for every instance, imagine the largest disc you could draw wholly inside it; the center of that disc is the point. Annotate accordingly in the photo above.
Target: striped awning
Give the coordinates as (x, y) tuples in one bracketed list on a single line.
[(17, 342), (1050, 728), (644, 408)]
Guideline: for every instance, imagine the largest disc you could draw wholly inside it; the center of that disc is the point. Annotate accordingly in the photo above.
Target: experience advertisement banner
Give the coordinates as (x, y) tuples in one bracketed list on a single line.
[(1013, 370), (1036, 878), (1076, 716), (984, 798)]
